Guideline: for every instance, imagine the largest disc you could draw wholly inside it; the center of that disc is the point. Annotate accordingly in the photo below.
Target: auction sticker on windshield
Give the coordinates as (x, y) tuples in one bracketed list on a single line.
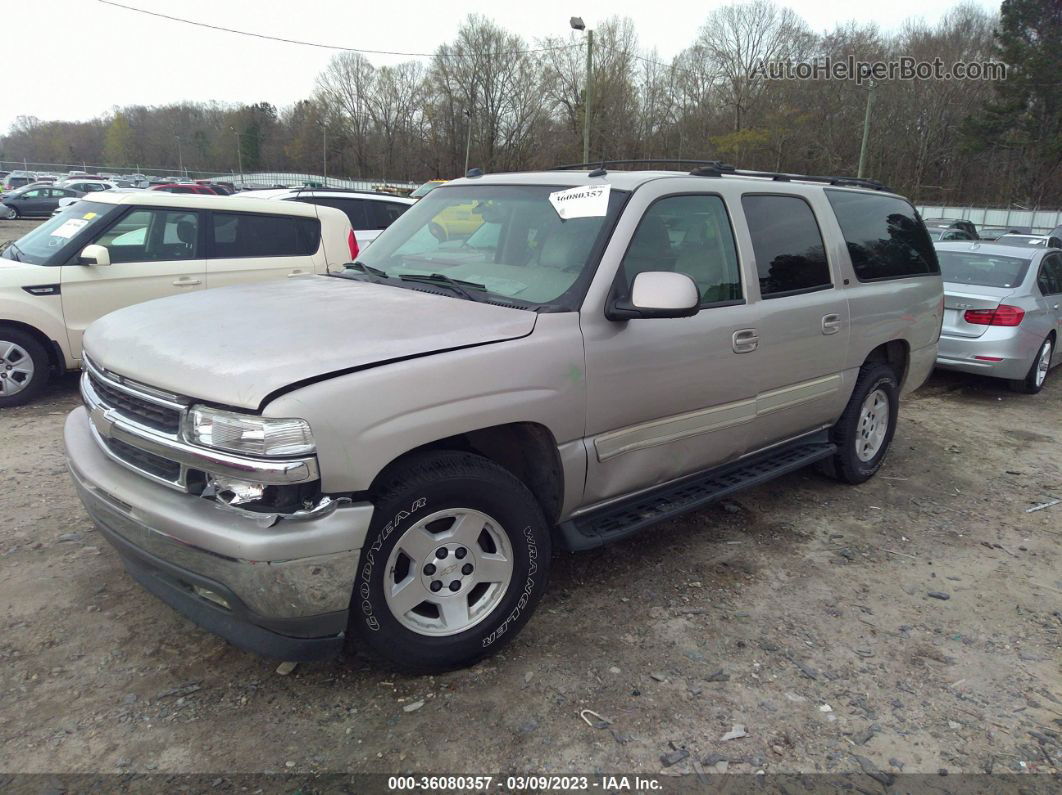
[(70, 228), (585, 201)]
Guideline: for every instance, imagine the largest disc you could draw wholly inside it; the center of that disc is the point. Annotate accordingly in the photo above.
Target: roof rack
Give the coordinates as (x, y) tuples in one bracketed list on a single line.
[(639, 162), (717, 168)]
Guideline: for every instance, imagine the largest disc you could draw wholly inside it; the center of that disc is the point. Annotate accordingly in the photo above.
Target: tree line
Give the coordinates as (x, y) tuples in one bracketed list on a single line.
[(517, 104)]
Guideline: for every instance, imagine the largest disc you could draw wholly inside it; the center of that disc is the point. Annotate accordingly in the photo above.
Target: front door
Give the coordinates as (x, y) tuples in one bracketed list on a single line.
[(667, 397), (154, 252)]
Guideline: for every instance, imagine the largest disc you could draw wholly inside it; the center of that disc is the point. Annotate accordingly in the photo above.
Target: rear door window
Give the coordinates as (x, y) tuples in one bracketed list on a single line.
[(384, 214), (245, 235), (354, 208), (1050, 279), (885, 237), (790, 256)]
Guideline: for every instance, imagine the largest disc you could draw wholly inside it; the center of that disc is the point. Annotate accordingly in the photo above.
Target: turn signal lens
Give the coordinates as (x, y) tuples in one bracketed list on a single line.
[(1002, 315)]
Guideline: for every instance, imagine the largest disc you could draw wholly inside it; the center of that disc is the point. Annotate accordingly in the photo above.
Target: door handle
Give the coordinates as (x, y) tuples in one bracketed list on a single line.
[(295, 273), (831, 324), (186, 281), (745, 340)]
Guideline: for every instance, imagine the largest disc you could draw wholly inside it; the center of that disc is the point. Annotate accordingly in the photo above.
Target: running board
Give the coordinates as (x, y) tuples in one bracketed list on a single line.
[(622, 519)]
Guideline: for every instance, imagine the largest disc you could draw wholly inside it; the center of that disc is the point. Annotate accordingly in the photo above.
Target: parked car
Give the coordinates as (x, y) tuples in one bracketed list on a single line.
[(18, 179), (1002, 314), (33, 201), (178, 187), (369, 213), (426, 188), (1029, 241), (220, 188), (408, 442), (954, 223), (947, 233), (113, 249), (85, 185)]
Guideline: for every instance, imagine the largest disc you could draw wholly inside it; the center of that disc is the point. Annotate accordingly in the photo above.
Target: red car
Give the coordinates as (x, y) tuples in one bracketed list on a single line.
[(185, 188)]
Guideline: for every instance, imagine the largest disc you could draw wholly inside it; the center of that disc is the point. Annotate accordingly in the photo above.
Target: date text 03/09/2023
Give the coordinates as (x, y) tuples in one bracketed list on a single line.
[(519, 783)]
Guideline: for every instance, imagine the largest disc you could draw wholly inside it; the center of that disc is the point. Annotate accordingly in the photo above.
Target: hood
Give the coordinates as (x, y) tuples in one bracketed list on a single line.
[(237, 345)]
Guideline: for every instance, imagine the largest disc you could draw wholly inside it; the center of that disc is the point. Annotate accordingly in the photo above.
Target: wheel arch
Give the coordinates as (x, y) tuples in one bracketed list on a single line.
[(528, 450), (895, 353), (56, 360)]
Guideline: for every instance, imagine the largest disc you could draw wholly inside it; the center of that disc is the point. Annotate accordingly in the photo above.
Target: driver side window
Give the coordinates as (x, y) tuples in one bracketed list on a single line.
[(690, 235), (152, 236)]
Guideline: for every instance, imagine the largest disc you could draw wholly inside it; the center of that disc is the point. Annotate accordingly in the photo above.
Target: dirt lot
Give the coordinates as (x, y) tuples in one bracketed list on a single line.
[(800, 611), (13, 230)]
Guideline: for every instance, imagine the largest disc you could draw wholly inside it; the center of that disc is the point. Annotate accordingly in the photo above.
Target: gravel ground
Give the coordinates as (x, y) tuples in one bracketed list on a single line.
[(909, 624), (13, 230)]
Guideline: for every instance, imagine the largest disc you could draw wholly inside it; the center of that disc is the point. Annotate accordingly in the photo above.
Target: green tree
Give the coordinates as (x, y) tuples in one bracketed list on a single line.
[(118, 141), (1025, 117)]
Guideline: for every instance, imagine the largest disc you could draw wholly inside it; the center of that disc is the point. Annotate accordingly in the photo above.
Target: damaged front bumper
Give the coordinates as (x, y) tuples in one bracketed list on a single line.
[(279, 588)]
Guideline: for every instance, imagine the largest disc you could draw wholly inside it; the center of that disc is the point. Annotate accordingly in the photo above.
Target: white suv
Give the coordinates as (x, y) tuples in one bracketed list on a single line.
[(369, 213), (115, 249)]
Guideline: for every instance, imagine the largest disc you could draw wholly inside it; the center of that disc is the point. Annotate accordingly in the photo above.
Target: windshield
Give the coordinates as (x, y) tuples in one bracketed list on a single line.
[(985, 270), (40, 246), (424, 190), (496, 241)]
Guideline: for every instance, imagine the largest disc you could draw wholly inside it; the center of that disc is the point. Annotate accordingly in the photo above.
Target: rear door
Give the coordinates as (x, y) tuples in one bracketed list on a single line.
[(155, 252), (1050, 283), (802, 329), (253, 247)]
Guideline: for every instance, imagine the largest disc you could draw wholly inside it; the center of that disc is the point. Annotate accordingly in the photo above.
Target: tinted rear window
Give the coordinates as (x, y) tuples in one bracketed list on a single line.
[(243, 235), (885, 238), (354, 208), (790, 256)]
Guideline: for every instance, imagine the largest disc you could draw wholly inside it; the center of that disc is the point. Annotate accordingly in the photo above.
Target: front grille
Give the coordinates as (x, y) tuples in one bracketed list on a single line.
[(146, 462), (137, 409)]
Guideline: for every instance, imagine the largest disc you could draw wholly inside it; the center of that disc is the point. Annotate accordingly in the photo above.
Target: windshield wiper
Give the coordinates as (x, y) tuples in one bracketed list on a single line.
[(456, 285), (369, 269)]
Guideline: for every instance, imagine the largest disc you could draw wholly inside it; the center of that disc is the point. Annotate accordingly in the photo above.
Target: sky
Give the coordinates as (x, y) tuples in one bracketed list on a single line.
[(84, 58)]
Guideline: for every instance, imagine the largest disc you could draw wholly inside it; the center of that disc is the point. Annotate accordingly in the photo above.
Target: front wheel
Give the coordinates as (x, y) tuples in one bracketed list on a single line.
[(23, 367), (865, 430), (10, 213), (1034, 379), (455, 561)]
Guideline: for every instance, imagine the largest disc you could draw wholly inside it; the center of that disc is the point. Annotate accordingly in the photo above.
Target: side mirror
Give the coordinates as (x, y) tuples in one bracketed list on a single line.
[(94, 255), (657, 294)]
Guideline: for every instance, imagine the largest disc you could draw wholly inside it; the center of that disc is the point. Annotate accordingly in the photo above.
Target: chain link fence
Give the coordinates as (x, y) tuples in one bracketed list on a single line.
[(248, 180)]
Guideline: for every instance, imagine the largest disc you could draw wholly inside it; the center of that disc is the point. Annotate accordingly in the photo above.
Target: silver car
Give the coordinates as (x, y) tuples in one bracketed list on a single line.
[(1002, 311)]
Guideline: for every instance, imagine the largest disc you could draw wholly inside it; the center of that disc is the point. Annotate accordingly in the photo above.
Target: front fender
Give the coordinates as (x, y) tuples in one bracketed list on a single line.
[(42, 313), (364, 420)]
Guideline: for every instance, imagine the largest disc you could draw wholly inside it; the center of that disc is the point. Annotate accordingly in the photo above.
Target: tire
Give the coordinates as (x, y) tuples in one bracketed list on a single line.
[(1034, 379), (24, 364), (10, 213), (454, 501), (862, 441)]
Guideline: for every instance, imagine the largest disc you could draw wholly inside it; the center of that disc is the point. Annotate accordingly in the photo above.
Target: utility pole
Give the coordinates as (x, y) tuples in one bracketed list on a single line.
[(239, 153), (866, 130), (180, 157), (468, 113), (324, 153), (589, 82), (577, 23)]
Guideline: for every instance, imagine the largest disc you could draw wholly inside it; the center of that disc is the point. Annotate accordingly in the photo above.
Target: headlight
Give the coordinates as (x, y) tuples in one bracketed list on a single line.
[(247, 433)]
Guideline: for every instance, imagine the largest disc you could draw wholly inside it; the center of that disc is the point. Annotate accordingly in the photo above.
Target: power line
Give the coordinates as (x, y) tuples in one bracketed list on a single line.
[(318, 44)]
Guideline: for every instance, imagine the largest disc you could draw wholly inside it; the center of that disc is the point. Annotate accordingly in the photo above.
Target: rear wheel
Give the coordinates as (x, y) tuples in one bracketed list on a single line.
[(1034, 379), (865, 430), (23, 367), (455, 561)]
